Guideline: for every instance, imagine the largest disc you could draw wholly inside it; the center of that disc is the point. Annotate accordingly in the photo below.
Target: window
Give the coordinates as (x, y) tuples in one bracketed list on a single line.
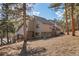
[(33, 34), (37, 34), (37, 26)]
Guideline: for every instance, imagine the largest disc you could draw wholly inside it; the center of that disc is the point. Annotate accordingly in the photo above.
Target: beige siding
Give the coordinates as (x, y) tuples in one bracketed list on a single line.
[(46, 28), (43, 27)]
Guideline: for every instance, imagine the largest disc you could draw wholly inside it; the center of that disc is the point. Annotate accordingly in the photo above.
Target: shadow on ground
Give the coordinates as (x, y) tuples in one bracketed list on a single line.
[(37, 51), (45, 38)]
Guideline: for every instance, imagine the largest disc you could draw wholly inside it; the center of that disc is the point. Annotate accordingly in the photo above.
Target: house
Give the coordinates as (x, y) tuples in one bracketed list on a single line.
[(38, 27), (56, 28), (43, 28)]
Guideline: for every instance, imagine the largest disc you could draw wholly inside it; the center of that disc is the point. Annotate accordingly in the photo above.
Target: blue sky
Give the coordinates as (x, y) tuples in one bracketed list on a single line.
[(43, 11)]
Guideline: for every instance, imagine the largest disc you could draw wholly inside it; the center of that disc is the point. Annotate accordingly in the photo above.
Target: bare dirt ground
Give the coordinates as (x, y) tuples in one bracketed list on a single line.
[(65, 45)]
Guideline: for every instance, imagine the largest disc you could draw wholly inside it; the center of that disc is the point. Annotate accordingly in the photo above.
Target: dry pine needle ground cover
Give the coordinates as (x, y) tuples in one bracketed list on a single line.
[(65, 45)]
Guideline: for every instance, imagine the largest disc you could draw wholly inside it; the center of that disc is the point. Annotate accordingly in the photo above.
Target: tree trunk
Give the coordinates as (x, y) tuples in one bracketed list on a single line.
[(7, 35), (73, 20), (67, 28), (6, 8), (1, 38), (78, 24), (24, 49), (78, 21)]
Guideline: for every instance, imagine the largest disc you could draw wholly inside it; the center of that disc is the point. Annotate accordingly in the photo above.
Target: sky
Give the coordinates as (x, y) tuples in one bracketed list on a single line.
[(41, 9)]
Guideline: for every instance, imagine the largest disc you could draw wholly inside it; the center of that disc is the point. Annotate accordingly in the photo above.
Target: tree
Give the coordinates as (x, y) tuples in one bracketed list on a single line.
[(57, 6), (24, 29), (73, 21), (8, 15), (1, 36), (5, 9), (67, 28), (77, 12), (25, 9)]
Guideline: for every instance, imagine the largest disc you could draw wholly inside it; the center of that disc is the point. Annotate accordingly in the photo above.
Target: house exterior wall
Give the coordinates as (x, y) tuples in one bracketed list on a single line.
[(38, 29), (43, 30), (43, 27), (31, 25), (46, 28), (20, 31)]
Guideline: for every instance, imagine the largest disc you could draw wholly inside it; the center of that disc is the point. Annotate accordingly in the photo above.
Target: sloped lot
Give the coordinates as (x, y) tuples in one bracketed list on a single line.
[(65, 45)]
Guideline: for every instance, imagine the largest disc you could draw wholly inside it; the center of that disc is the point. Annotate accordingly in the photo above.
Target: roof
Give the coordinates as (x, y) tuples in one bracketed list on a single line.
[(43, 20)]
